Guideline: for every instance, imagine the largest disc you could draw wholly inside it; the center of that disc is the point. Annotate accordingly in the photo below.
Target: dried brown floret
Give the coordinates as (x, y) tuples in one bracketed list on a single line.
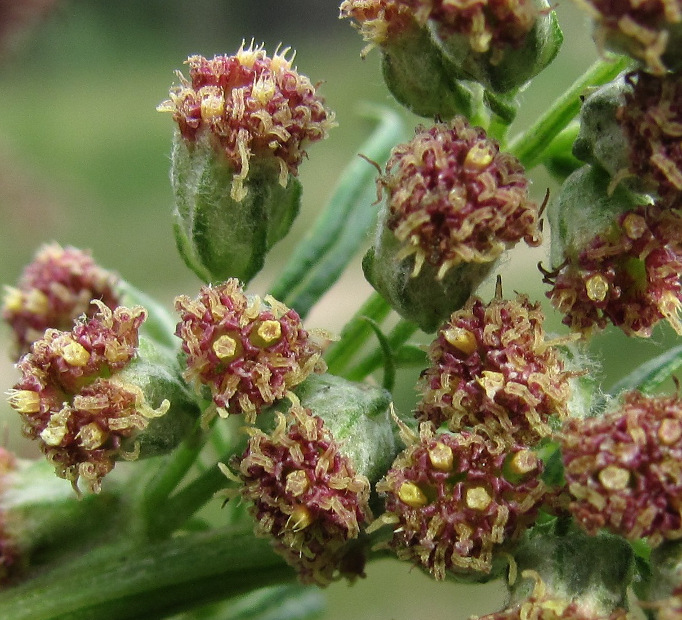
[(624, 470)]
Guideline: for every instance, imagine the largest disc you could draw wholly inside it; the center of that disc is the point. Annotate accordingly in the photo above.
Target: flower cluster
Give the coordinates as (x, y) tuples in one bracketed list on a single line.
[(651, 119), (54, 289), (248, 351), (454, 499), (453, 197), (642, 29), (624, 469), (305, 494), (627, 274), (379, 21), (72, 400), (250, 105), (492, 366)]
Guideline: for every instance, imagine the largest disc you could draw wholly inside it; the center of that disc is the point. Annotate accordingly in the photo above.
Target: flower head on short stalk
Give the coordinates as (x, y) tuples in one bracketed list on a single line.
[(304, 494), (252, 107), (627, 275), (72, 399), (454, 198), (492, 366), (454, 499), (648, 31), (624, 470), (248, 351), (53, 290), (651, 119)]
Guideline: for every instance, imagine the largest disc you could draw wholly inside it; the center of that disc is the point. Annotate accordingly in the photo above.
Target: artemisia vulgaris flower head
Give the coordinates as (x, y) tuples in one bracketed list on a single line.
[(379, 21), (306, 496), (627, 274), (453, 197), (649, 30), (72, 399), (54, 289), (543, 604), (651, 119), (454, 499), (624, 470), (493, 366), (248, 351), (252, 107)]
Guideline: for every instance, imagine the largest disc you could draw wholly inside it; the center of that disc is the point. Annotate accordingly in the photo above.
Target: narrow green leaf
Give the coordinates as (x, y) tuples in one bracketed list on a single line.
[(651, 374), (389, 364), (410, 355)]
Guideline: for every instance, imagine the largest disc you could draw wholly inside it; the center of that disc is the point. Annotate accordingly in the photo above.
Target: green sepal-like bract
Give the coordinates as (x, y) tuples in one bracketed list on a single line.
[(218, 236)]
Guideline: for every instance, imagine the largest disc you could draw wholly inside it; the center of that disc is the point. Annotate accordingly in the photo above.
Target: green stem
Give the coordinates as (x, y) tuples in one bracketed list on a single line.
[(156, 580), (356, 332), (398, 337), (529, 147)]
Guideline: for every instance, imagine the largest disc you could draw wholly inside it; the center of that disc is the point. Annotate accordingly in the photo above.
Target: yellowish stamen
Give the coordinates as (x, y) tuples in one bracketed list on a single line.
[(266, 334), (477, 498), (523, 462), (597, 288), (226, 348), (441, 457), (300, 518), (412, 495), (24, 401), (461, 339), (669, 432), (92, 436), (75, 354), (614, 478), (297, 483), (479, 156)]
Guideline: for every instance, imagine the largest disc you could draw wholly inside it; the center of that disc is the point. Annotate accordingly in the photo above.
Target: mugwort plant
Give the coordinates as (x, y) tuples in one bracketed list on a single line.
[(265, 459)]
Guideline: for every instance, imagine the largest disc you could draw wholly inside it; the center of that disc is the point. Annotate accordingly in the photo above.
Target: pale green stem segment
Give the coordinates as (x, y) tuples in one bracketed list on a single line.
[(148, 580), (529, 146), (343, 224)]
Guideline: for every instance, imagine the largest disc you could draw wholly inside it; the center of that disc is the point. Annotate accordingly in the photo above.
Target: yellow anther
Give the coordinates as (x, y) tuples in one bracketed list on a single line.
[(24, 401), (477, 498), (75, 354), (297, 483), (266, 334), (523, 462), (92, 436), (226, 348), (263, 90), (479, 156), (634, 225), (669, 432), (614, 478), (597, 287), (212, 106), (461, 339), (300, 518), (441, 457), (412, 495)]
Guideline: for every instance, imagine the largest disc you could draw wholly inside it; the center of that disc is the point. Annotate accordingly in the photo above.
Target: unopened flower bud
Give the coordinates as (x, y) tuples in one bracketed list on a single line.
[(415, 70), (620, 262), (624, 469), (308, 478), (492, 366), (244, 123), (91, 396), (501, 44), (454, 203), (248, 352), (53, 290), (451, 515), (648, 31)]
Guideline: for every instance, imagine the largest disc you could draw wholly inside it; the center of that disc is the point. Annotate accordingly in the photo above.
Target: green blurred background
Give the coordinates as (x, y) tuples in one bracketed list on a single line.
[(84, 161)]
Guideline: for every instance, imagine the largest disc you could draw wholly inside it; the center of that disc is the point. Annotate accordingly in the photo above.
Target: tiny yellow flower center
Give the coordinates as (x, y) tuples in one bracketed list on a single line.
[(266, 334), (92, 436), (669, 432), (523, 462), (297, 483), (479, 156), (461, 339), (24, 401), (212, 106), (477, 498), (614, 478), (300, 518), (597, 287), (412, 495), (441, 457), (75, 354), (634, 225), (226, 348)]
